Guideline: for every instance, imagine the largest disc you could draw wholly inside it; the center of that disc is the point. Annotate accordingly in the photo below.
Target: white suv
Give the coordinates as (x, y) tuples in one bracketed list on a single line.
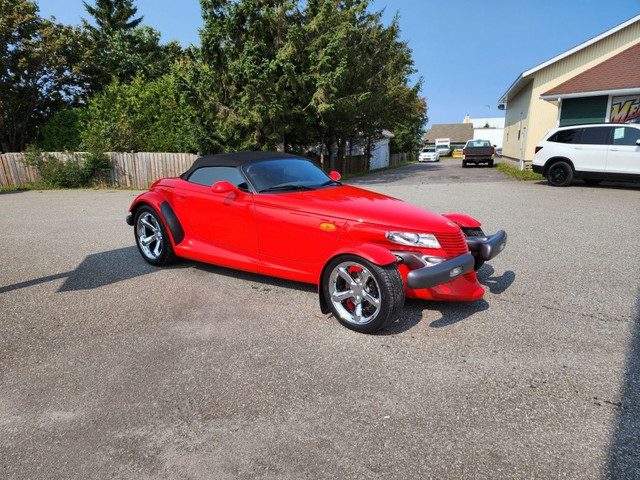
[(604, 151)]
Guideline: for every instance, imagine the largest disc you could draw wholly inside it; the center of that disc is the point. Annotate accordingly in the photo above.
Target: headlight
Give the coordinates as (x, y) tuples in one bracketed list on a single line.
[(414, 239)]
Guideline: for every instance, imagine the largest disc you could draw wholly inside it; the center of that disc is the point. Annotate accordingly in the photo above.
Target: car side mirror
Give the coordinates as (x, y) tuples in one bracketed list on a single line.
[(335, 176), (638, 142), (224, 187)]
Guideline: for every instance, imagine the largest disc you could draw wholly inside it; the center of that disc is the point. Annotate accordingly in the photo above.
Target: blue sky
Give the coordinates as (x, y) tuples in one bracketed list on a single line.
[(468, 52)]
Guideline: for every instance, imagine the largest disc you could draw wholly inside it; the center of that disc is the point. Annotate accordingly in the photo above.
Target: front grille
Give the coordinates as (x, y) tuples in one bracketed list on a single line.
[(453, 243)]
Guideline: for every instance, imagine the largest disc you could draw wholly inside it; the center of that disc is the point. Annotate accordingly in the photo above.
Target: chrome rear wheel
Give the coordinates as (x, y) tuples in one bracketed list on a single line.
[(152, 238), (149, 236)]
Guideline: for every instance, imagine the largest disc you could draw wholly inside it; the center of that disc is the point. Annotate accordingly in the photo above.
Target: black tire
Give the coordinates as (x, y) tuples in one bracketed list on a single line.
[(464, 164), (152, 238), (490, 163), (474, 232), (560, 174), (352, 284)]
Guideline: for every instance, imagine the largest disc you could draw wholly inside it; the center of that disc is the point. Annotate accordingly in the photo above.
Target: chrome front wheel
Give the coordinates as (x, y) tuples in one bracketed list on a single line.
[(362, 295), (355, 293)]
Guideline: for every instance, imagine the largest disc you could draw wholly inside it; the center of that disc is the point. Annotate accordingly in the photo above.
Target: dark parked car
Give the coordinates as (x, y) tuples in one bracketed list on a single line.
[(478, 151)]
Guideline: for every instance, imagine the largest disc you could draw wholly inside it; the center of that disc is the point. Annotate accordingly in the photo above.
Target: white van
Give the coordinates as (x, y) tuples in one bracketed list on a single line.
[(443, 145)]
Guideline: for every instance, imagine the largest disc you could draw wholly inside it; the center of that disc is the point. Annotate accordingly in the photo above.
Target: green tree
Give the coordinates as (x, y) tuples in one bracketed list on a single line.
[(117, 47), (141, 115), (359, 73), (62, 131), (38, 71), (292, 74), (252, 52), (111, 16)]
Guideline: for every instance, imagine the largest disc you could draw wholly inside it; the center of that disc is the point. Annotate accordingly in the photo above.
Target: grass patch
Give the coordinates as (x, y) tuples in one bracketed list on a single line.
[(526, 175), (24, 188)]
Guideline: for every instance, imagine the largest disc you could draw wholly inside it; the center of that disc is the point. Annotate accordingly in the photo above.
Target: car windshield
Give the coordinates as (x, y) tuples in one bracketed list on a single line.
[(286, 175), (429, 149)]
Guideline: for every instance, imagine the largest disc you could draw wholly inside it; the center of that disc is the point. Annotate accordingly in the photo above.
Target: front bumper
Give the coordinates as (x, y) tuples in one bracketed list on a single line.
[(488, 246), (423, 275)]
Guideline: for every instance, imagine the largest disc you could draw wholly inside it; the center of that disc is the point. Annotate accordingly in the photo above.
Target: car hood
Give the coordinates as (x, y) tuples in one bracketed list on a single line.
[(356, 204)]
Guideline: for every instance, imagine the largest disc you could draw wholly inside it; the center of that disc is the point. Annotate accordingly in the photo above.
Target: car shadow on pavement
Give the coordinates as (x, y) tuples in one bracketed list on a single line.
[(96, 270), (452, 312), (105, 268), (624, 450), (603, 185), (495, 284), (253, 277)]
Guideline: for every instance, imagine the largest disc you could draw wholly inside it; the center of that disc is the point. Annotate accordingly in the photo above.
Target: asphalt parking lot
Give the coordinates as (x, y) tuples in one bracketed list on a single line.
[(111, 368)]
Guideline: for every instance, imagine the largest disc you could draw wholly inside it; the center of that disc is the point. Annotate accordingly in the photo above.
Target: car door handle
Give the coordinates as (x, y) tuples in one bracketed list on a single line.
[(181, 198)]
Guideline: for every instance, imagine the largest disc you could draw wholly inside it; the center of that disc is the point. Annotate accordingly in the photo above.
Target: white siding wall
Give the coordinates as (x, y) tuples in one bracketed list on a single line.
[(380, 154), (494, 135)]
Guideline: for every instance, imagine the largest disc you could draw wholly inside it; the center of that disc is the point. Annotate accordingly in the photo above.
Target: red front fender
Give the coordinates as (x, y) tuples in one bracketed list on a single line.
[(371, 252), (462, 220)]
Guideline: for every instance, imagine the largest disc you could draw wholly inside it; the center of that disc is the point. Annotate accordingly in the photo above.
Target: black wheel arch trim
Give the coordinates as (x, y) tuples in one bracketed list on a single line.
[(177, 232), (170, 218)]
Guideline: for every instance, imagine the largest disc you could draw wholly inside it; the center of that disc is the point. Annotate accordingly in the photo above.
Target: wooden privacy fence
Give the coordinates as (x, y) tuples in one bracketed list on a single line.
[(132, 170), (141, 169)]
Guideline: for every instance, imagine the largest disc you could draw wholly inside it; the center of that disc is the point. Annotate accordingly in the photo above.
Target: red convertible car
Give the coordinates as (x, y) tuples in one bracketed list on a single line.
[(280, 215)]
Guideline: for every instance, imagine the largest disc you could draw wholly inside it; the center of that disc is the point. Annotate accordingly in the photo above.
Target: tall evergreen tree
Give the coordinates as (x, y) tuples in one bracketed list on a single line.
[(118, 47), (292, 74), (252, 52), (112, 16)]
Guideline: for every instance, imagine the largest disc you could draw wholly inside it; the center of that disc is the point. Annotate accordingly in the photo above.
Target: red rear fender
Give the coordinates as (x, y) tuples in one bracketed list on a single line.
[(462, 220)]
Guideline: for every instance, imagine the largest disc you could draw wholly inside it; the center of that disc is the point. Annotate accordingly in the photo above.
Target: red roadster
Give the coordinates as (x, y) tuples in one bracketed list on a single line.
[(278, 214)]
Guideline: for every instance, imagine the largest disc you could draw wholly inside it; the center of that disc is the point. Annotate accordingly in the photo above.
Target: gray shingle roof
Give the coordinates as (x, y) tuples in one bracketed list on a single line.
[(457, 132)]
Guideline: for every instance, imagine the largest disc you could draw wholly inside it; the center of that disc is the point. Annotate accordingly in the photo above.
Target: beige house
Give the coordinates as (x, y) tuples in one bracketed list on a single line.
[(573, 81)]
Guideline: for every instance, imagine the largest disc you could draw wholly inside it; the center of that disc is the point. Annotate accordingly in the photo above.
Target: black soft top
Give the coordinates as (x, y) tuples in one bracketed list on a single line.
[(234, 160)]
